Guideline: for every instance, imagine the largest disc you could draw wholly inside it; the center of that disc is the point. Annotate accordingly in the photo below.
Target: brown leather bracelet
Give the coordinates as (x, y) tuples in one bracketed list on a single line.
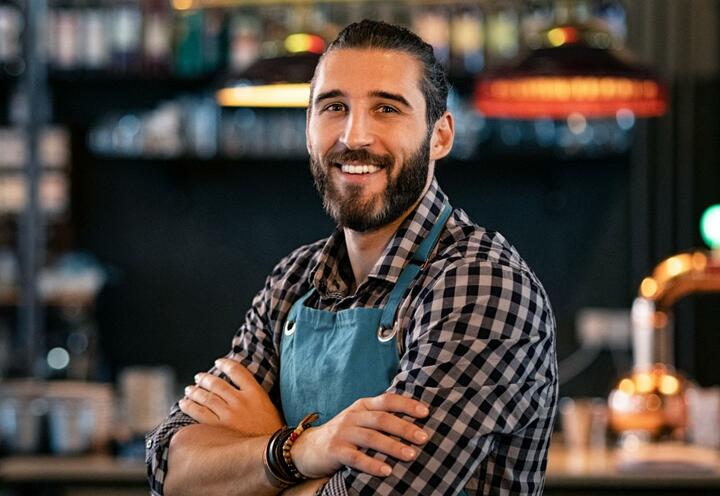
[(270, 462)]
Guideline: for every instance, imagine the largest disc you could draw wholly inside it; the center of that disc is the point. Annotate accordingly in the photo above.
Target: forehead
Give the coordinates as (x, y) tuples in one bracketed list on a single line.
[(360, 71)]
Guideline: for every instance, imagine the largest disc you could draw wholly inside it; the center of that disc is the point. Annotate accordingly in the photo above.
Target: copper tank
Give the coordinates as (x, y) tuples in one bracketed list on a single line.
[(651, 399)]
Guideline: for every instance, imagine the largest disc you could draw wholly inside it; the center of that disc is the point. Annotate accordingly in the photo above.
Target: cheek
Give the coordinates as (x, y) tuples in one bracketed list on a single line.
[(322, 131)]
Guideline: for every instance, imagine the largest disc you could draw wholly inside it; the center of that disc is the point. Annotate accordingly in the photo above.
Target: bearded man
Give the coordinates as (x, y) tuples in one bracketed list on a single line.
[(420, 344)]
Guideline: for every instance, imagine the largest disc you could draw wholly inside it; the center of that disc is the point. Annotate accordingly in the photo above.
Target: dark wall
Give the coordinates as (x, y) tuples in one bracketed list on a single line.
[(192, 242)]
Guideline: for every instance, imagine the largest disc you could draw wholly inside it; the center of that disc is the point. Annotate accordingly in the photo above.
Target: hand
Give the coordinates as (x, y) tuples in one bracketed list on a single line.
[(214, 401), (367, 423)]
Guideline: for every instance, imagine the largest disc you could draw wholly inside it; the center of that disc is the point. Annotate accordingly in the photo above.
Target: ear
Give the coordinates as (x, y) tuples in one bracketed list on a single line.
[(307, 130), (443, 135)]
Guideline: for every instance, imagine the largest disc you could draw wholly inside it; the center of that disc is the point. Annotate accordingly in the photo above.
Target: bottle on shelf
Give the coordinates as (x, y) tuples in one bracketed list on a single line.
[(432, 24), (244, 40), (96, 47), (126, 29), (467, 41), (11, 63), (157, 36)]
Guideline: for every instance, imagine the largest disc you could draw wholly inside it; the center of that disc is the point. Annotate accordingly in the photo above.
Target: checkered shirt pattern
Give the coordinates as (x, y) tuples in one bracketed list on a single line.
[(477, 344)]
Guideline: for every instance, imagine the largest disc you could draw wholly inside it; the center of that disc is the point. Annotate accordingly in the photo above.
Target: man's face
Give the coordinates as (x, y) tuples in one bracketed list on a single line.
[(367, 136)]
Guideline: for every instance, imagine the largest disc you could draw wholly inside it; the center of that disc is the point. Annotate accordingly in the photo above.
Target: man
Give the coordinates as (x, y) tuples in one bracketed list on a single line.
[(423, 341)]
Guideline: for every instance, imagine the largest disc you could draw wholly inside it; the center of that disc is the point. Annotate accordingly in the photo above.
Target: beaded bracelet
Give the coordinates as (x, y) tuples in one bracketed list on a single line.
[(275, 468), (288, 444)]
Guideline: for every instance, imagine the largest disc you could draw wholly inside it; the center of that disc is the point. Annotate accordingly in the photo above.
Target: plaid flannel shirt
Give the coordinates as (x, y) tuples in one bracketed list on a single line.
[(477, 345)]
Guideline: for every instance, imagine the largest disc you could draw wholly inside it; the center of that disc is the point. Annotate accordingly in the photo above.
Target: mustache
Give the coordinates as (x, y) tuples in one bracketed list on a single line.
[(361, 155)]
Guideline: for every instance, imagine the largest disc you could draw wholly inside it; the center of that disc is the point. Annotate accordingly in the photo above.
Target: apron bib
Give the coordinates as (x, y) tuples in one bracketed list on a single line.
[(328, 360)]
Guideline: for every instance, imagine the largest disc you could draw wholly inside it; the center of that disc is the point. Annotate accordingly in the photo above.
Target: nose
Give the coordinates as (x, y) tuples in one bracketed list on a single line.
[(357, 133)]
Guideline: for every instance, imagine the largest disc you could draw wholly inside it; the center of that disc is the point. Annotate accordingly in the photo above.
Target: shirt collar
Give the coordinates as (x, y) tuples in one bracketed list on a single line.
[(332, 276)]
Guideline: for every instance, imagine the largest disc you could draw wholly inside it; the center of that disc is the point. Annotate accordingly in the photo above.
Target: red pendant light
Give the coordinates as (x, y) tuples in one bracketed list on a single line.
[(572, 71)]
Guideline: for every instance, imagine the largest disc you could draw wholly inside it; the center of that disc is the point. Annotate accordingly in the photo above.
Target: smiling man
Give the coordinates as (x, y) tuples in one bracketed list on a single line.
[(421, 343)]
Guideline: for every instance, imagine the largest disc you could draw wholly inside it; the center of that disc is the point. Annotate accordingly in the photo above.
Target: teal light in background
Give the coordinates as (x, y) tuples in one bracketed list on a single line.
[(710, 226)]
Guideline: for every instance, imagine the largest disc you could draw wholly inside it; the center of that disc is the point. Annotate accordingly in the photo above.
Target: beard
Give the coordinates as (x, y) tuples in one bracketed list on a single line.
[(349, 209)]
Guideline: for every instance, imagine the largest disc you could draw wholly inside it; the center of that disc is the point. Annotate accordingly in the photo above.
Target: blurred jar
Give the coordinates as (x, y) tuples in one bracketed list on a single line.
[(21, 424), (584, 423), (704, 416), (147, 395), (71, 423)]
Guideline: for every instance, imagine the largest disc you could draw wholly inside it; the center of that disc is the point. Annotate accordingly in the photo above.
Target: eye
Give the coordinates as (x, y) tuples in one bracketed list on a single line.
[(387, 109), (334, 107)]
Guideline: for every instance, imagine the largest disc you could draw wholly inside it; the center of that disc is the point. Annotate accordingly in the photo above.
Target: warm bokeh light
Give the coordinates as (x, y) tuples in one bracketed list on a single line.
[(302, 42), (269, 95), (627, 386), (558, 97), (676, 265), (562, 35), (669, 385), (648, 287), (644, 382), (182, 4)]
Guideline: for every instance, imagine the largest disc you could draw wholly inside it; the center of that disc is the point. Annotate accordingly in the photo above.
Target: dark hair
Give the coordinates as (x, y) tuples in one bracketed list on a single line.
[(378, 34)]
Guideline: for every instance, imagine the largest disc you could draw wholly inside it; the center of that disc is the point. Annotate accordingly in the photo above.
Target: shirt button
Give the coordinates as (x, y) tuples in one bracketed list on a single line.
[(148, 443)]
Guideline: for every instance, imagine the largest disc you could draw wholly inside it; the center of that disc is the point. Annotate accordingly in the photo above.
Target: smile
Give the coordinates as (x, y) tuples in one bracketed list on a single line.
[(358, 169)]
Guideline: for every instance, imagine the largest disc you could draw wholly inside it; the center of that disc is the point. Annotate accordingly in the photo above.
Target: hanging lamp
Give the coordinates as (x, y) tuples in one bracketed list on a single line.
[(279, 82), (571, 70)]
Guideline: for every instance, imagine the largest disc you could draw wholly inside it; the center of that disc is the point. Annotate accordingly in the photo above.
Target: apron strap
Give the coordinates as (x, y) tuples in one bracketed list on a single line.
[(411, 270), (299, 303)]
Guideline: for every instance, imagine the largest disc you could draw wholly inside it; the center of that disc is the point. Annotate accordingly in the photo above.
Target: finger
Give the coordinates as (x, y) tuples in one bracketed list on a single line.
[(389, 423), (354, 458), (205, 398), (198, 412), (391, 402), (216, 385), (240, 376), (369, 438)]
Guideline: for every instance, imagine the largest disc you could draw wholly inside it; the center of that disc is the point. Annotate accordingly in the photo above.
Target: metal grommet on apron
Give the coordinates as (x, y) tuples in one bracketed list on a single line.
[(328, 360), (385, 334)]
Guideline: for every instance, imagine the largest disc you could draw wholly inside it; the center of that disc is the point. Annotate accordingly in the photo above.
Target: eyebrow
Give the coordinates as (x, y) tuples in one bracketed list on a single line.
[(328, 94), (391, 96), (376, 93)]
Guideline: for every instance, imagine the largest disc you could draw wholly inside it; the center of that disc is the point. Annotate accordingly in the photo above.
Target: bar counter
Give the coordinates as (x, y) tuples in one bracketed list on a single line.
[(587, 473)]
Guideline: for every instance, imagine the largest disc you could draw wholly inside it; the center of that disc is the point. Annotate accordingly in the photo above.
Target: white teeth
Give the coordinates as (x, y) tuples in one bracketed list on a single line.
[(359, 169)]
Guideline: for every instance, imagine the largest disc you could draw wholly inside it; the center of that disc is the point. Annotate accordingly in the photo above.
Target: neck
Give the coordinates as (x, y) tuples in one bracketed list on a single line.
[(364, 248)]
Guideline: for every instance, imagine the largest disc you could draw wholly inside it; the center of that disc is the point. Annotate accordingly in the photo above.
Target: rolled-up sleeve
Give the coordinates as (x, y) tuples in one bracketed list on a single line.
[(480, 350)]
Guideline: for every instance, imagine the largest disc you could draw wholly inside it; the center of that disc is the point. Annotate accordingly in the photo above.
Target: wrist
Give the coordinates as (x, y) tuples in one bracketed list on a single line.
[(301, 451), (271, 461)]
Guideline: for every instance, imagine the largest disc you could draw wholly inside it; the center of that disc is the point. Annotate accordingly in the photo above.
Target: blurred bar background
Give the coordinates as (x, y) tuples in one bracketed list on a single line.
[(138, 216)]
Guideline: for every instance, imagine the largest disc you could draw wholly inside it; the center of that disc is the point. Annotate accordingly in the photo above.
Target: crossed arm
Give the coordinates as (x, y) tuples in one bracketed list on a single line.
[(223, 452), (486, 368)]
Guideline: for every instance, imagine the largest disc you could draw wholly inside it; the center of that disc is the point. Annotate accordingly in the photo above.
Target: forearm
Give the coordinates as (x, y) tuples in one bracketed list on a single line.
[(205, 459)]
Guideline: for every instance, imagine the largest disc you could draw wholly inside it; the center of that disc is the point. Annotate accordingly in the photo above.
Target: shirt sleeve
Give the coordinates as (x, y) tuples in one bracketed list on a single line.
[(253, 347), (481, 352)]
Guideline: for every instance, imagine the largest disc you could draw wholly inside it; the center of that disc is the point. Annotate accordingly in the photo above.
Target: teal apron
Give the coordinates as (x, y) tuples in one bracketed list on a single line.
[(328, 360)]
